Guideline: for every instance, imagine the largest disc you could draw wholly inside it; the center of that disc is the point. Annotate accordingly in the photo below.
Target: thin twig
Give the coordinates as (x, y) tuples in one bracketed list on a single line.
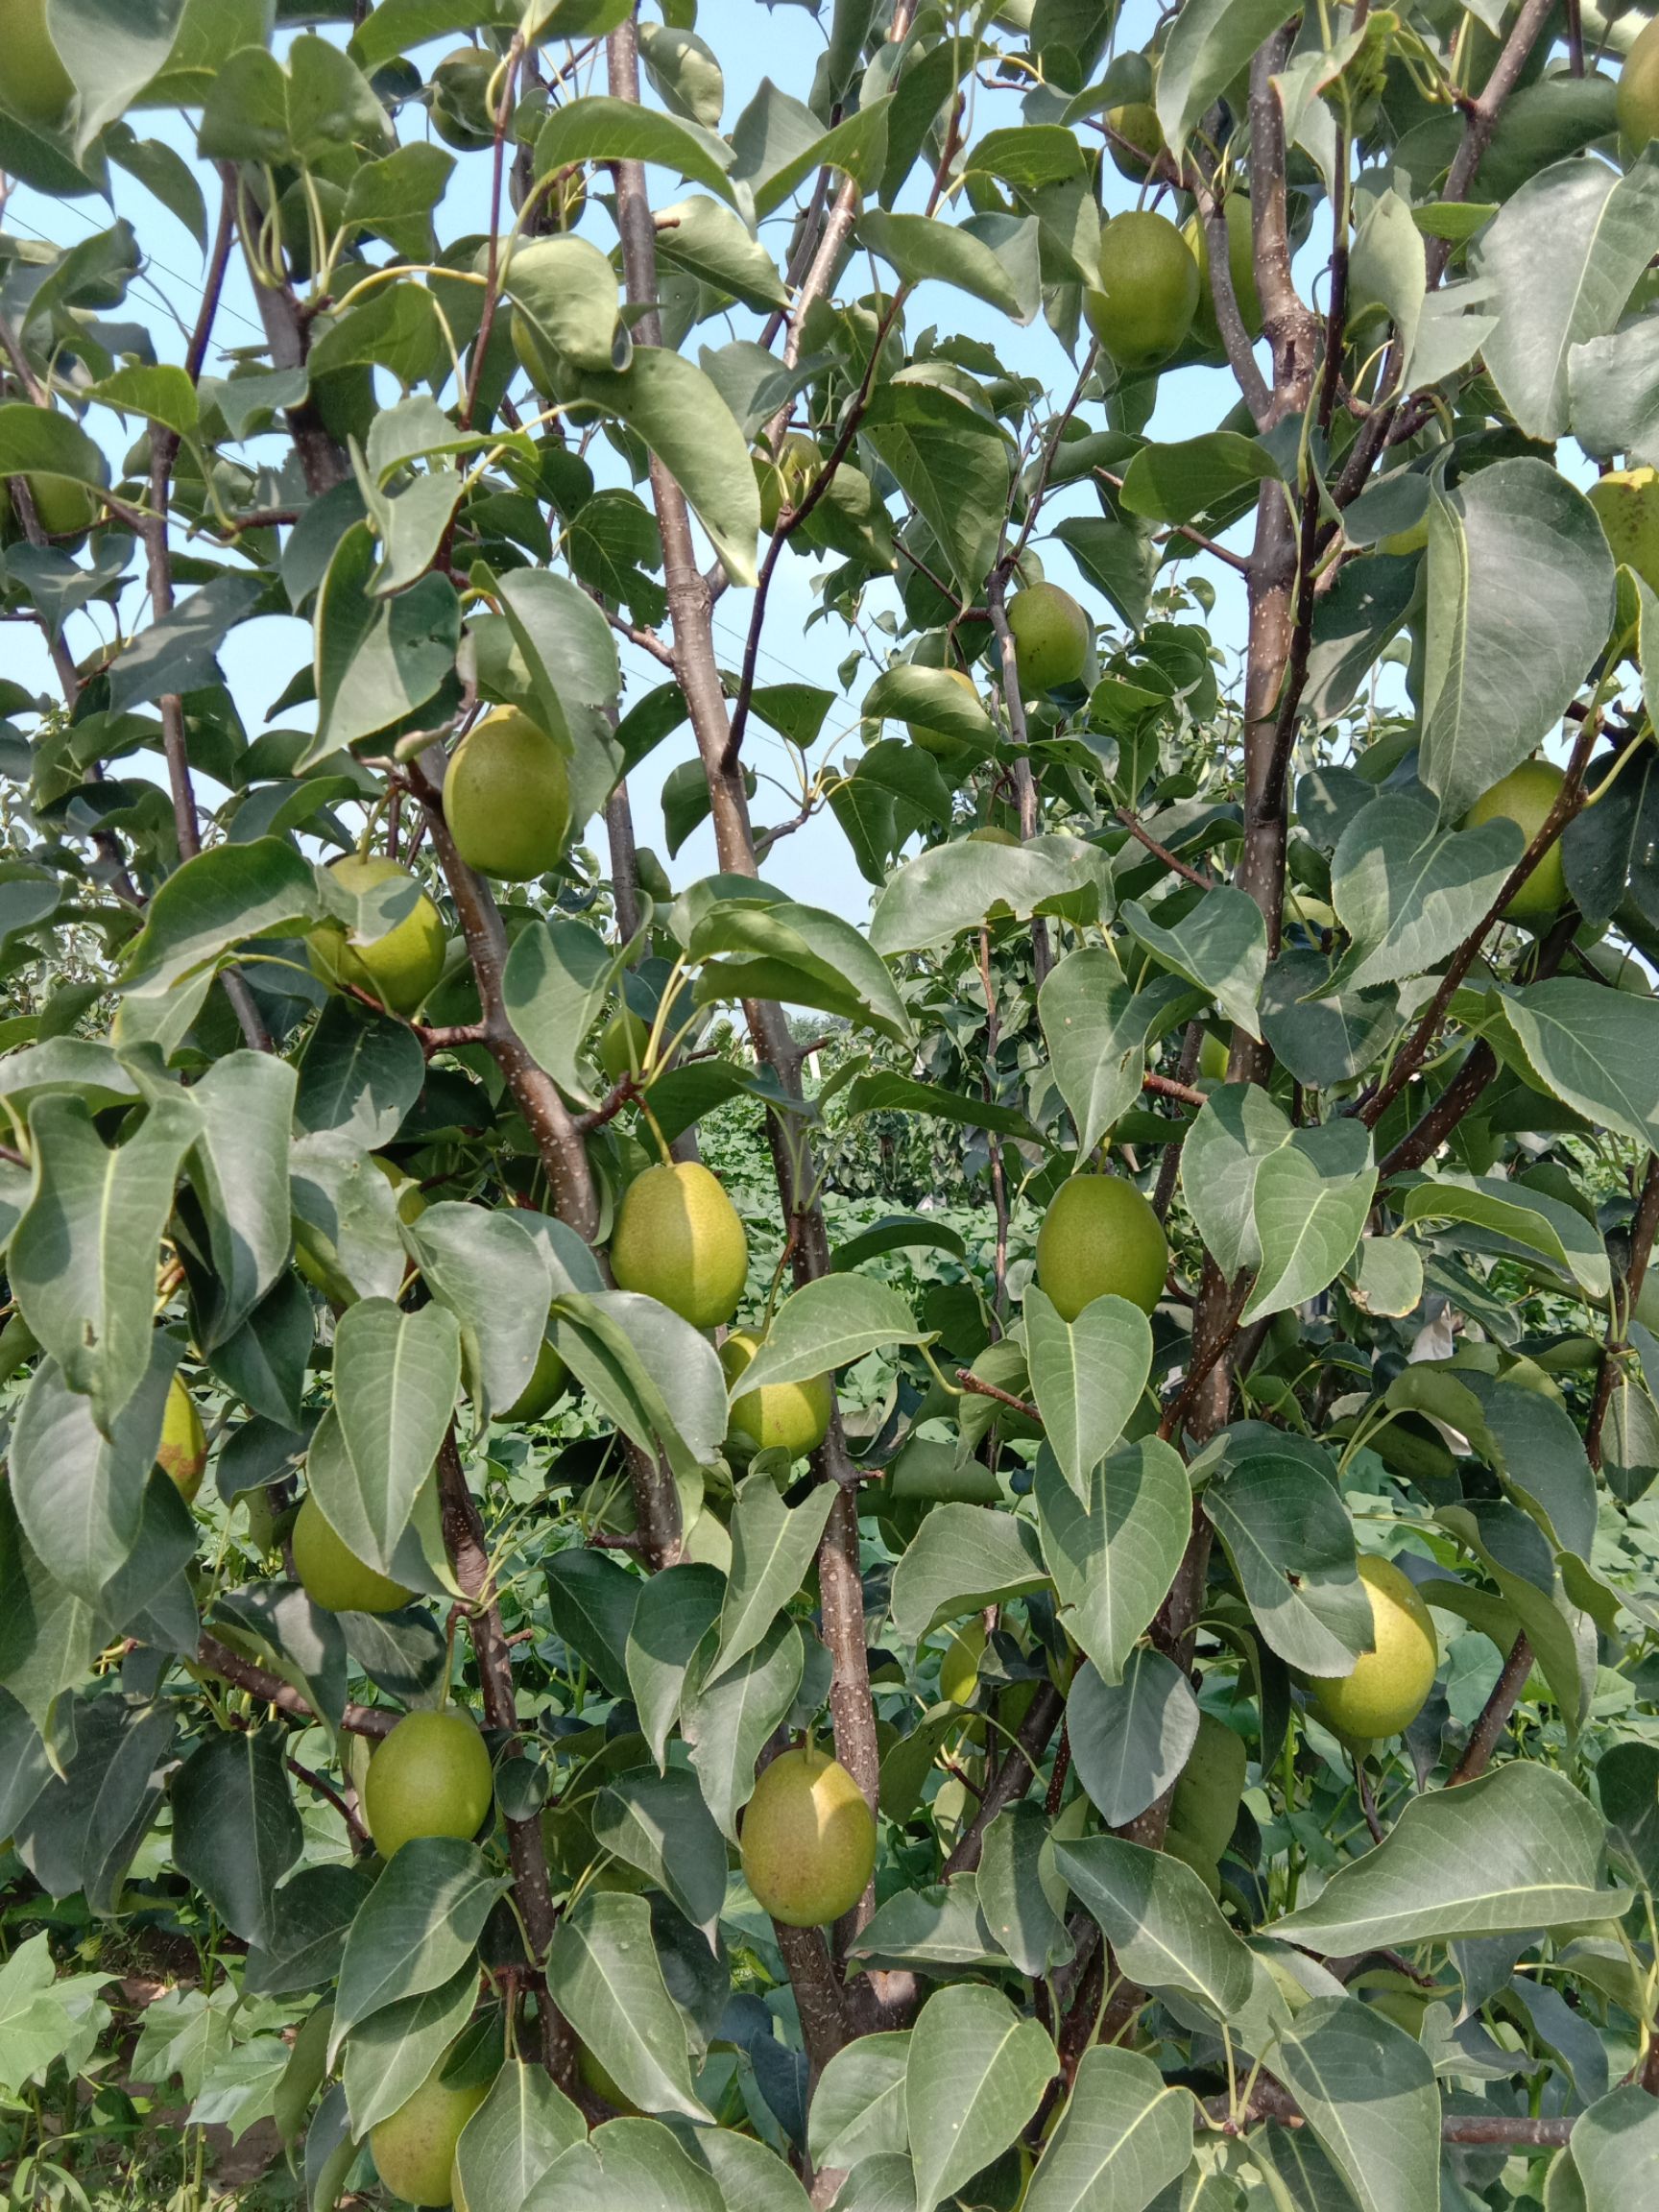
[(1139, 831), (977, 1385)]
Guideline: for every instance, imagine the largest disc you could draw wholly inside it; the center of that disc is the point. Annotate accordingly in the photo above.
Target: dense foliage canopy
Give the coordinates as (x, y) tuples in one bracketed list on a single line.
[(675, 1547)]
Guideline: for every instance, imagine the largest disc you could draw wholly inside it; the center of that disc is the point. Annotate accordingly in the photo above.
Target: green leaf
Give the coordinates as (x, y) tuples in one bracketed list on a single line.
[(346, 1217), (757, 949), (179, 652), (1098, 1030), (923, 248), (1408, 895), (1210, 43), (228, 893), (884, 2183), (896, 1231), (80, 1831), (493, 1277), (1087, 1376), (773, 1545), (395, 196), (1615, 395), (522, 2125), (593, 1598), (1614, 2148), (598, 129), (163, 172), (715, 245), (659, 1824), (42, 2012), (569, 656), (1020, 1898), (961, 885), (962, 1558), (395, 1379), (1310, 1203), (829, 1324), (1113, 1551), (553, 985), (676, 1610), (239, 1170), (1162, 1924), (1386, 1276), (1178, 482), (624, 2165), (235, 1832), (954, 463), (1321, 1036), (934, 700), (858, 2104), (1519, 1848), (1124, 2135), (751, 2179), (47, 1635), (166, 395), (605, 1980), (36, 441), (974, 2074), (80, 1495), (1119, 560), (681, 417), (417, 1927), (930, 1930), (361, 1075), (391, 2054), (883, 1093), (310, 1918), (568, 290), (394, 26), (1219, 944), (1238, 1128), (1559, 263), (1521, 599), (82, 1258), (857, 147), (1287, 1534), (1130, 1738), (256, 110), (658, 1379), (727, 1725), (1596, 1049), (1520, 1215), (376, 660), (1368, 2093)]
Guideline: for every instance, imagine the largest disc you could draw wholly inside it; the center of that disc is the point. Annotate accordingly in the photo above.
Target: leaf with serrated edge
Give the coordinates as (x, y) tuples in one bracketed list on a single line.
[(1124, 2135), (974, 2075), (1114, 1553), (1519, 1848), (772, 1546), (605, 1977), (1162, 1924), (1087, 1376)]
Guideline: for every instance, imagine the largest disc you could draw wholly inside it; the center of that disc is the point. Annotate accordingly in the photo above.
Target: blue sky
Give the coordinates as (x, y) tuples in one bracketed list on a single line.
[(753, 42)]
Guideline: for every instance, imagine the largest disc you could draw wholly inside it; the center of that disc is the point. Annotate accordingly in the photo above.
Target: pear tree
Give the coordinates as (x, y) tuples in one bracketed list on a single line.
[(831, 1097)]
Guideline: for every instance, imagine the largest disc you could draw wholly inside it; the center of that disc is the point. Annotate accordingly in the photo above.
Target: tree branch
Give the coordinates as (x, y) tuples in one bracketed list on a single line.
[(464, 1540), (1568, 801), (690, 603), (1494, 1716), (217, 1658), (1616, 1350), (1014, 1776), (535, 1094)]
